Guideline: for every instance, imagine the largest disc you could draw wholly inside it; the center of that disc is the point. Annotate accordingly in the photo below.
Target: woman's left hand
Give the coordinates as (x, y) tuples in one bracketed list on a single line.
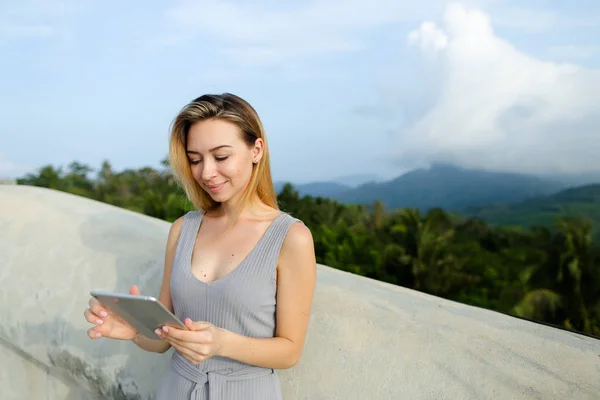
[(201, 342)]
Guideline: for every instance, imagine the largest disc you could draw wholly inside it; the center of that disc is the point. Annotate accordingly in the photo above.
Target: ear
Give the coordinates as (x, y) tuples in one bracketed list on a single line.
[(257, 150)]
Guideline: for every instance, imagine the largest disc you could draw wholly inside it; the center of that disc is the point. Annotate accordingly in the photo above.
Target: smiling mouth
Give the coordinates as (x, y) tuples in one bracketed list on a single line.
[(215, 187)]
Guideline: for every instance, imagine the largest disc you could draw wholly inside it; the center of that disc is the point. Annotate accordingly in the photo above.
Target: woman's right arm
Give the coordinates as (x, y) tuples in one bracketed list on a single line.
[(110, 325), (158, 345)]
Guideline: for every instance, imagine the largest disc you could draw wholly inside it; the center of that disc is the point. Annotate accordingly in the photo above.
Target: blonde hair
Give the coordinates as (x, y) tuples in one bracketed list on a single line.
[(230, 108)]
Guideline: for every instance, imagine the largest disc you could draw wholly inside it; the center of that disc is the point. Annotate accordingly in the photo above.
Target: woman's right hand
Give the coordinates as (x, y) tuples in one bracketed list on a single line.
[(108, 324)]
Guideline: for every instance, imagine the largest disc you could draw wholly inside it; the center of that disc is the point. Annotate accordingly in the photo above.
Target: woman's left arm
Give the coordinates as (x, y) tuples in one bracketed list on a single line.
[(296, 280)]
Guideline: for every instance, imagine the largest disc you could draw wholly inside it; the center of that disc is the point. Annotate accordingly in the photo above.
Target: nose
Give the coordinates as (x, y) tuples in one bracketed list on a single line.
[(208, 171)]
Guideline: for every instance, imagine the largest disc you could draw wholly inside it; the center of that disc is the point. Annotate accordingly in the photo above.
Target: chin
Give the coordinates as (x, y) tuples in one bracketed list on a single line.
[(225, 194), (221, 196), (218, 197)]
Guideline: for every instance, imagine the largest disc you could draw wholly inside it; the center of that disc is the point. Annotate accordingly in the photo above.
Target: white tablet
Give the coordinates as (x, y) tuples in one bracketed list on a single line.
[(144, 313)]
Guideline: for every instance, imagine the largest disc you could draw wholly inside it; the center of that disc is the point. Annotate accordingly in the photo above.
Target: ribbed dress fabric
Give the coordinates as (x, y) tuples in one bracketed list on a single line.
[(243, 302)]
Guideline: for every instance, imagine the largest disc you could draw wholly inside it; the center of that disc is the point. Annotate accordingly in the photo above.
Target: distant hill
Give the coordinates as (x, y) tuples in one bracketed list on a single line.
[(575, 179), (316, 189), (447, 186), (357, 180), (452, 188), (497, 198), (331, 188), (582, 201)]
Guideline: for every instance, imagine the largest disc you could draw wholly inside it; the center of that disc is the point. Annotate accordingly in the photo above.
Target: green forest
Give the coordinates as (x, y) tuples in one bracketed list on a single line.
[(549, 274)]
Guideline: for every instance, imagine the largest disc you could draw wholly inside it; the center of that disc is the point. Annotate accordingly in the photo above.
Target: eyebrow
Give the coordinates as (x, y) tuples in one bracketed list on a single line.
[(211, 150)]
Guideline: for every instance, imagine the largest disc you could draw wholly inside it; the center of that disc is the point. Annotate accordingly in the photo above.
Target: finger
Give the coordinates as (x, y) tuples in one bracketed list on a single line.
[(188, 345), (187, 353), (163, 335), (97, 308), (187, 336), (134, 290), (92, 318), (198, 350), (197, 325), (93, 333)]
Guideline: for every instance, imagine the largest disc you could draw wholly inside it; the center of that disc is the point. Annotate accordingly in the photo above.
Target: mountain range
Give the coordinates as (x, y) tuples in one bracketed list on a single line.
[(496, 197), (442, 185)]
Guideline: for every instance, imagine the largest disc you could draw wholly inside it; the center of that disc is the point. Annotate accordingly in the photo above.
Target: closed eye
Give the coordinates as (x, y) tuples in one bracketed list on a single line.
[(219, 159)]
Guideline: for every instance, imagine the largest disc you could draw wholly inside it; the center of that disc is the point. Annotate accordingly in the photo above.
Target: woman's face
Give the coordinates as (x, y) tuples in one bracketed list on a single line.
[(220, 160)]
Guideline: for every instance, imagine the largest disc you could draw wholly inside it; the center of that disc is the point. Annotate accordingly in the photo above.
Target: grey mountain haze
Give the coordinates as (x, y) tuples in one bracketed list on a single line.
[(447, 186)]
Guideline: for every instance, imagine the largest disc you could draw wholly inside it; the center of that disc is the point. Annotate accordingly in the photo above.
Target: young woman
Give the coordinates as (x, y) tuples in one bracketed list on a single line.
[(240, 273)]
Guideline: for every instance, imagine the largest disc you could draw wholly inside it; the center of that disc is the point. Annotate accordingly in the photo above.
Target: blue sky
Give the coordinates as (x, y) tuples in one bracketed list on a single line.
[(343, 87)]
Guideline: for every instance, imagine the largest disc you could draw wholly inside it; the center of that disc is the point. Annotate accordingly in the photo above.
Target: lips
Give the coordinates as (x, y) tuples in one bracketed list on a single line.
[(215, 187)]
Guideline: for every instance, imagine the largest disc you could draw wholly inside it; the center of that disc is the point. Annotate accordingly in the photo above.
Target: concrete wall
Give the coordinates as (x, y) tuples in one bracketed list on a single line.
[(367, 340)]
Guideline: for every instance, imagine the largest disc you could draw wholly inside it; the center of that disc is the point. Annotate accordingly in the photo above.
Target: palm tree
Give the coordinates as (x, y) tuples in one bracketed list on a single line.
[(556, 285), (573, 264), (422, 243)]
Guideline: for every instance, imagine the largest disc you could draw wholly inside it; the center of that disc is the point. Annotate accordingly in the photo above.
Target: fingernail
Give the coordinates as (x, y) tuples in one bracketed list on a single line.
[(157, 331), (98, 334), (165, 329), (99, 321), (103, 314)]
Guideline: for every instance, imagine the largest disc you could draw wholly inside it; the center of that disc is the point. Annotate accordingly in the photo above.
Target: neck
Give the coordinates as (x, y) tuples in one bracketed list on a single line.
[(233, 209)]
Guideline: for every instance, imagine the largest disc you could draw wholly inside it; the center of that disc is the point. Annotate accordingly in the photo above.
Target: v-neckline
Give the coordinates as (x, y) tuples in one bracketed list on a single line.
[(241, 263)]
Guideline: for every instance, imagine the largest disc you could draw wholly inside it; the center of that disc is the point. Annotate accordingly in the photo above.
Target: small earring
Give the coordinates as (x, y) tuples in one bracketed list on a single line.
[(255, 161)]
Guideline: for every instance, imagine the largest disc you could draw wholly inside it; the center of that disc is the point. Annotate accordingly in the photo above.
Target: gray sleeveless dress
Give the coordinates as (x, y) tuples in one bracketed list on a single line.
[(242, 301)]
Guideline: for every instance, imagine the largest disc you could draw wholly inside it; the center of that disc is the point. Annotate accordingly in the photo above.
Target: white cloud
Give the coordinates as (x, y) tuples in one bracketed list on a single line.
[(429, 37), (529, 20), (499, 108), (259, 34), (266, 33)]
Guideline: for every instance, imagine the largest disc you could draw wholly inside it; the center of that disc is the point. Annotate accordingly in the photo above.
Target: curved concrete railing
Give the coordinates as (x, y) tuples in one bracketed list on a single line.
[(367, 340)]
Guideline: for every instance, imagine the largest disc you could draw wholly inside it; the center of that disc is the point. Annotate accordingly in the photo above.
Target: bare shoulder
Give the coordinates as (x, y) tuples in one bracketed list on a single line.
[(175, 229), (298, 245), (298, 237), (176, 225)]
